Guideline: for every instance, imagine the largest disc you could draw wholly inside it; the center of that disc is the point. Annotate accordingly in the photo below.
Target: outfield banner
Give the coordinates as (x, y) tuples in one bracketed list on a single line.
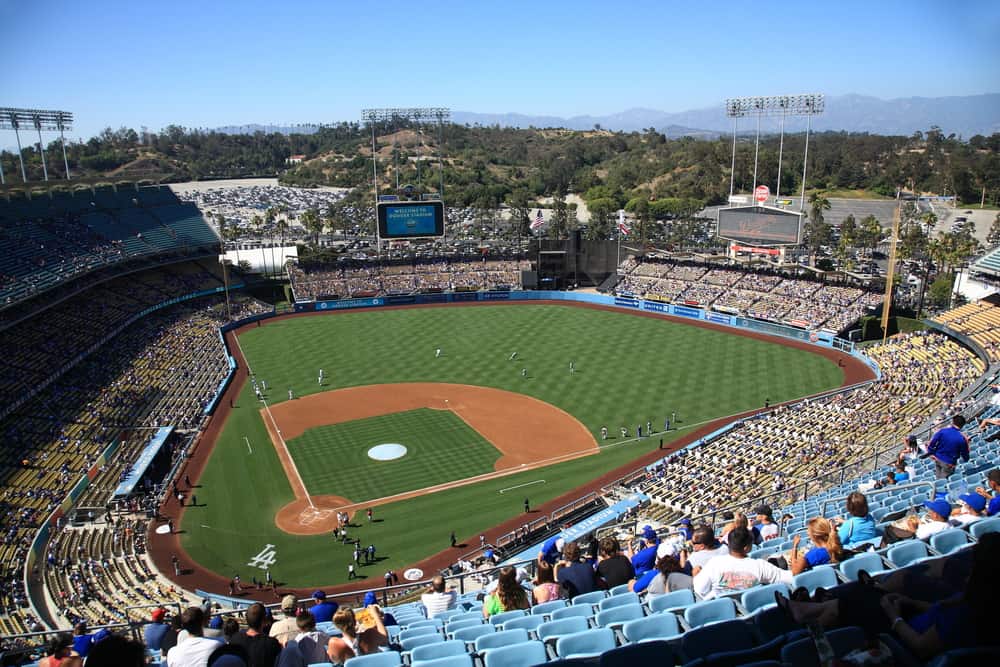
[(349, 303), (400, 298), (684, 311), (494, 296), (463, 296), (432, 298), (655, 306), (719, 318), (623, 301)]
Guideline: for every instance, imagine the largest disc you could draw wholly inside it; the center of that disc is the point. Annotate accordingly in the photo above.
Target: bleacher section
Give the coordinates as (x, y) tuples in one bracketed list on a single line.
[(980, 321), (47, 240), (801, 303)]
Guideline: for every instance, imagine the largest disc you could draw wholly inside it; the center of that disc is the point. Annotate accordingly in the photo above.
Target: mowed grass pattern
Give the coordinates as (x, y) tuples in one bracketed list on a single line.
[(629, 369), (440, 448)]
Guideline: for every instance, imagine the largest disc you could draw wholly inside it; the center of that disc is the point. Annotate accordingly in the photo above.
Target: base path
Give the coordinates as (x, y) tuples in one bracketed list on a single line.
[(529, 433)]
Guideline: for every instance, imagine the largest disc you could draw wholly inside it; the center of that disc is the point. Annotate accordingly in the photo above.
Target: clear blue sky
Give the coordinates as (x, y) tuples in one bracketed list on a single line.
[(209, 63)]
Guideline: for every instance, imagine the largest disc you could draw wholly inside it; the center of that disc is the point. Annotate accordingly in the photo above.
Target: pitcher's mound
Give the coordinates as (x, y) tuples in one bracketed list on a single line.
[(300, 518)]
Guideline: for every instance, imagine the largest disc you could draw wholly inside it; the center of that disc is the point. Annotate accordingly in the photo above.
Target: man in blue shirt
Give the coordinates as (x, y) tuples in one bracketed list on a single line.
[(155, 630), (993, 482), (551, 549), (948, 446), (323, 611), (645, 558)]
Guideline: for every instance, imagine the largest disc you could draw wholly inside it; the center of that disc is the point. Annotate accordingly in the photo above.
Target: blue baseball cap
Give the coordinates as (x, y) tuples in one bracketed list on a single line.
[(370, 598), (318, 595), (974, 500), (941, 507)]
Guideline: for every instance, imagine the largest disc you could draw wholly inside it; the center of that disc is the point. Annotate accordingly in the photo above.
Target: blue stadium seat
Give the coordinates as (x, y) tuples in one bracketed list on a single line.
[(457, 660), (421, 640), (499, 619), (440, 650), (516, 655), (949, 541), (409, 633), (906, 553), (529, 623), (385, 659), (591, 598), (585, 644), (650, 628), (869, 562), (709, 611), (548, 607), (802, 653), (732, 635), (549, 632), (824, 576), (502, 638), (619, 589), (760, 597), (681, 598), (469, 635), (579, 611), (639, 655), (983, 526), (465, 623), (617, 616), (617, 601)]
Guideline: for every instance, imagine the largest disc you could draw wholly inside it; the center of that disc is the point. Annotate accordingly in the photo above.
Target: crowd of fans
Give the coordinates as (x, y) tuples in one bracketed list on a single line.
[(374, 279), (763, 296), (980, 321)]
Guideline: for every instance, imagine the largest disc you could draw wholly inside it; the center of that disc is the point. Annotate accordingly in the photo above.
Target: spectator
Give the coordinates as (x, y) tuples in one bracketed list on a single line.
[(934, 521), (859, 526), (670, 574), (704, 548), (356, 641), (734, 571), (323, 610), (312, 642), (993, 484), (437, 599), (155, 629), (287, 627), (82, 640), (643, 559), (613, 567), (551, 549), (508, 594), (60, 653), (545, 587), (575, 576), (970, 509), (230, 628), (948, 446), (172, 634), (962, 621), (740, 520), (192, 648), (901, 475), (765, 523), (826, 546), (116, 651), (262, 649)]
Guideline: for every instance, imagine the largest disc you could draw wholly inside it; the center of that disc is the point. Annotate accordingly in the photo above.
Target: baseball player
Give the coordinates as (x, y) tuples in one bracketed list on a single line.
[(321, 376), (572, 368), (513, 356), (290, 395), (437, 353), (604, 433), (524, 372)]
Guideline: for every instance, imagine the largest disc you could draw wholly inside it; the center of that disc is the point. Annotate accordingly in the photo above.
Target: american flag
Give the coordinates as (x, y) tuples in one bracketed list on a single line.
[(539, 221), (623, 227)]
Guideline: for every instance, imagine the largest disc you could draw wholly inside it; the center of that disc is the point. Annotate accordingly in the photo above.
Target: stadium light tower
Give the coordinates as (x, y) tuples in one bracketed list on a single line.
[(807, 105), (11, 119), (416, 114)]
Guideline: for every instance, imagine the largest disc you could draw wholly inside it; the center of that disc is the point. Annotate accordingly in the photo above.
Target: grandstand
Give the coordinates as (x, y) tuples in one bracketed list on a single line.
[(980, 321)]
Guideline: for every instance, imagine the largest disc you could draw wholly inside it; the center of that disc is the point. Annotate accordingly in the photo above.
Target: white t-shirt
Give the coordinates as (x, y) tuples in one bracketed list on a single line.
[(726, 574), (928, 528), (439, 602), (768, 530), (192, 652), (699, 558)]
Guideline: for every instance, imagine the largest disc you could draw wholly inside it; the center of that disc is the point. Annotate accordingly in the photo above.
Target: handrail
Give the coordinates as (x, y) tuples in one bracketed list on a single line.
[(875, 492)]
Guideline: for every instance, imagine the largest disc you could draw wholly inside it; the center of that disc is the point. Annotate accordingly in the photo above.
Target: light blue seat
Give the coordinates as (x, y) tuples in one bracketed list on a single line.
[(824, 576), (870, 563), (651, 628), (761, 597), (709, 611), (502, 638), (619, 589), (765, 552), (416, 632), (907, 553), (464, 623), (803, 651), (478, 615), (617, 616), (551, 631), (591, 598), (441, 650), (586, 644), (579, 611), (384, 659), (983, 526), (463, 660), (548, 607), (516, 655), (529, 623), (949, 541), (617, 601), (471, 634), (435, 623), (681, 598), (420, 640), (499, 619), (449, 613)]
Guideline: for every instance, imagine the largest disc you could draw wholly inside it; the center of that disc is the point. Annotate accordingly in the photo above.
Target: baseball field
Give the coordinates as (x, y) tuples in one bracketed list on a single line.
[(470, 402)]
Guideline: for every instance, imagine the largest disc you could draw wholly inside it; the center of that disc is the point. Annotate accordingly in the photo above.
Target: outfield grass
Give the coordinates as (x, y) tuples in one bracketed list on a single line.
[(440, 448), (629, 370)]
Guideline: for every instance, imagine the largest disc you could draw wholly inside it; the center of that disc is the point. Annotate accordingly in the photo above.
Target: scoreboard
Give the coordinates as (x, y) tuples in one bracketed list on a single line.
[(410, 219), (760, 225)]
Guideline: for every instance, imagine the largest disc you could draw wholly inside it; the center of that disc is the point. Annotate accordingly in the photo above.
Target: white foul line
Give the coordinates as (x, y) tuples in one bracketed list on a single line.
[(511, 488), (248, 444)]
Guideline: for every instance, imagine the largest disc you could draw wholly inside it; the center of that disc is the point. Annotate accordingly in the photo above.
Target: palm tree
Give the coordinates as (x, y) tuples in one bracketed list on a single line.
[(817, 204), (257, 223)]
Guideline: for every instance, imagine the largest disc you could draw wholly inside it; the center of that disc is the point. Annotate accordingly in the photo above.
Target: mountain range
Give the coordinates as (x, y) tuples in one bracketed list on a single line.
[(965, 116)]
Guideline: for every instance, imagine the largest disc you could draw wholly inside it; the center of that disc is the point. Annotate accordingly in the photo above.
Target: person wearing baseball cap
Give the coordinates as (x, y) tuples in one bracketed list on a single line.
[(992, 484), (935, 520), (323, 610), (970, 509), (765, 522), (286, 628), (948, 446), (155, 629)]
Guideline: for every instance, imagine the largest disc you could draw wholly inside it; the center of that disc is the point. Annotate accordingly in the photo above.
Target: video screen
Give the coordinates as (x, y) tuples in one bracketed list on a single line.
[(405, 220)]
